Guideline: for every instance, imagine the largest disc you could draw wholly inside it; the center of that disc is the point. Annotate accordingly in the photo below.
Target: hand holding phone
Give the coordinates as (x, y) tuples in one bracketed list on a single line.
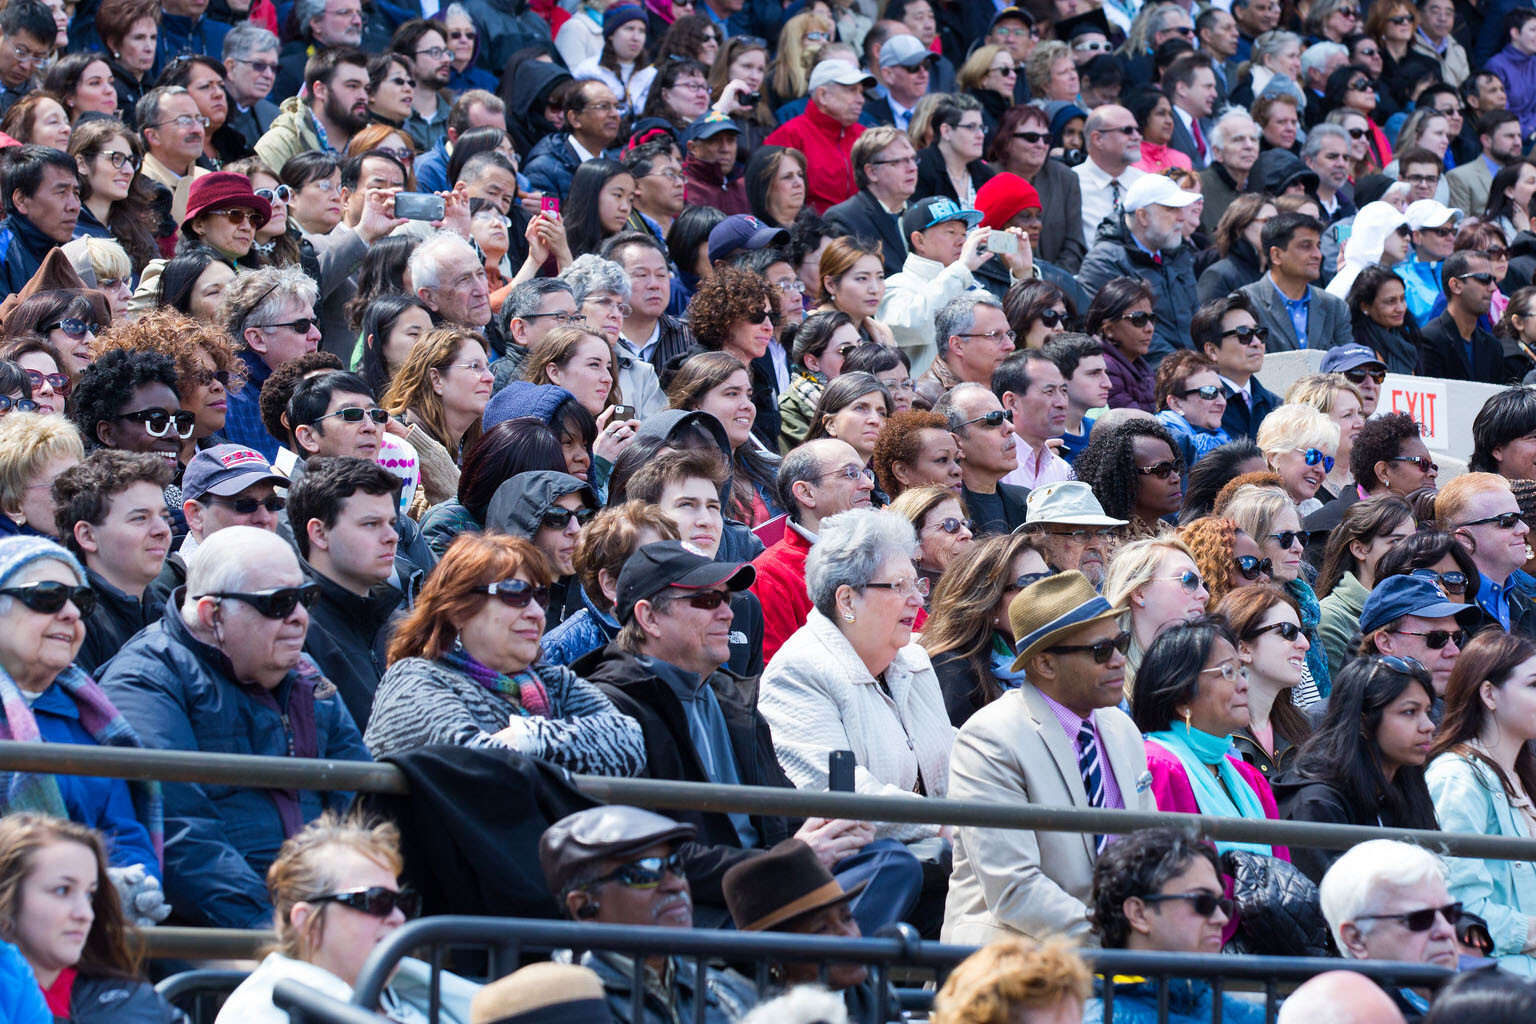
[(419, 206), (550, 205), (623, 412), (1002, 243)]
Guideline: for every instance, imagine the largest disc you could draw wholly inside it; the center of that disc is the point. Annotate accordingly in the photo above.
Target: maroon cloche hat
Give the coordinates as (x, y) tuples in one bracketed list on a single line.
[(220, 190)]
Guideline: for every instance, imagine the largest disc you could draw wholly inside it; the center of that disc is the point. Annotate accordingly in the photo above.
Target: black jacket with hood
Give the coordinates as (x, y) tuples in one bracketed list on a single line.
[(526, 93), (518, 508), (349, 636)]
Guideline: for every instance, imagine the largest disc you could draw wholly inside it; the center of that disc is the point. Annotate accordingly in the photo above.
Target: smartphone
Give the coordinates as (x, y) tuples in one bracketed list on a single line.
[(1002, 242), (550, 205), (622, 413), (419, 206), (840, 771)]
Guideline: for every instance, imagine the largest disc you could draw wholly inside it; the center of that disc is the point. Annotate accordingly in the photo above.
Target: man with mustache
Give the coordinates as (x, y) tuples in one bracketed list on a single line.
[(334, 106), (622, 865), (172, 129)]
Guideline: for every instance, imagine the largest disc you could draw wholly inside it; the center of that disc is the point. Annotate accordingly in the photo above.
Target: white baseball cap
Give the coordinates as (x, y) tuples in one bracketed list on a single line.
[(1429, 213), (1156, 190), (839, 72)]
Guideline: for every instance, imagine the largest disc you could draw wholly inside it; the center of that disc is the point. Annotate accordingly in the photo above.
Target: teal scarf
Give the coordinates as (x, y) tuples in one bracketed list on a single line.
[(1197, 751)]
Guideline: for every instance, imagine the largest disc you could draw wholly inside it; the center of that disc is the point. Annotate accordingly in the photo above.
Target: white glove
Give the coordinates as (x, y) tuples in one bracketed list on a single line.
[(143, 899)]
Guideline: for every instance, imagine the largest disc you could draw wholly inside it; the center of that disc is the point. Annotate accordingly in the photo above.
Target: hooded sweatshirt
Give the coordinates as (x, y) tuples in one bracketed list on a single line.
[(1517, 70), (518, 508), (1374, 224)]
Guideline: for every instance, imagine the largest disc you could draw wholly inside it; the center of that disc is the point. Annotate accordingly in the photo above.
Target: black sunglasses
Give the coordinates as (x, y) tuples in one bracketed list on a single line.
[(953, 525), (645, 873), (74, 327), (206, 377), (516, 593), (7, 403), (1359, 85), (1453, 582), (1162, 470), (1052, 317), (758, 317), (1436, 639), (375, 901), (1246, 334), (1101, 650), (1419, 920), (1359, 376), (50, 596), (1205, 903), (1288, 630), (708, 600), (1286, 538), (994, 418), (1252, 568), (1482, 277), (1140, 318), (1209, 392), (274, 604), (1424, 462), (1504, 521), (557, 517), (273, 503), (299, 326), (1033, 138), (356, 414), (157, 422)]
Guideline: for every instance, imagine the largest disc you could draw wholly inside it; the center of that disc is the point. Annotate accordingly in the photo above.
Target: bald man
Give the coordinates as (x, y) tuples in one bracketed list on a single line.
[(1339, 997)]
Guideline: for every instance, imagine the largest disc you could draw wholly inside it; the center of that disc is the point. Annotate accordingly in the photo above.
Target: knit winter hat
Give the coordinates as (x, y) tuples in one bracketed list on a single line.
[(1002, 197), (18, 552), (616, 17)]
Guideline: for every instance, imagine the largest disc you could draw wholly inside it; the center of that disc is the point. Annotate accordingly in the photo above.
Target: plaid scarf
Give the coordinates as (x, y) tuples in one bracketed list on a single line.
[(525, 689), (25, 791)]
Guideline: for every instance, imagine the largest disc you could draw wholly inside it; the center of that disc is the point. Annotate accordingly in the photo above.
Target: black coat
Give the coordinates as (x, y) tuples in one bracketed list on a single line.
[(1241, 421), (1443, 354), (864, 217), (348, 638), (959, 683), (1014, 508), (1061, 217), (1305, 798), (1239, 267), (110, 625), (933, 179)]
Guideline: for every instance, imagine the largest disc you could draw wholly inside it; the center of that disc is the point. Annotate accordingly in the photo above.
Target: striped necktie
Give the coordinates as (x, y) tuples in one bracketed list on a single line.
[(1088, 764)]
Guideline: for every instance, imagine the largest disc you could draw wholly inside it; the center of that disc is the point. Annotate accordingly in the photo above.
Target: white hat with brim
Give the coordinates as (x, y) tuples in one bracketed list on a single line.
[(1070, 503), (839, 72)]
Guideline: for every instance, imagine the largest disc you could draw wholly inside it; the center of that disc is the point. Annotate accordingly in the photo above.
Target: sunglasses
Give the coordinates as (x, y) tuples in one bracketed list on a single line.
[(1435, 639), (1401, 19), (1359, 376), (74, 327), (1162, 470), (273, 604), (1315, 456), (708, 600), (1244, 335), (49, 597), (158, 422), (60, 382), (7, 403), (301, 325), (645, 873), (1138, 319), (1288, 630), (375, 901), (1205, 904), (1356, 133), (516, 593), (1052, 317), (247, 506), (237, 216), (1504, 521), (1209, 392), (1359, 85), (1286, 538), (994, 418), (1101, 650), (355, 415), (1033, 138), (206, 378), (1424, 462), (1419, 920), (1189, 580), (1083, 533), (557, 518), (281, 193), (1482, 277), (1091, 47), (1451, 582), (953, 525), (1252, 568), (1029, 579), (758, 317)]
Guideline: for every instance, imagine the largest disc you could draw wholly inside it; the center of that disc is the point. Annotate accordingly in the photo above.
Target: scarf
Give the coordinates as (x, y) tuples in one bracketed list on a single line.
[(25, 791), (1311, 615), (525, 689), (1008, 678), (1198, 752)]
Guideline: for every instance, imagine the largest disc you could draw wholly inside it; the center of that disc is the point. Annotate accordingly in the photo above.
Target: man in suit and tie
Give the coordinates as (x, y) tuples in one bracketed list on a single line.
[(1056, 740), (1297, 313), (1226, 330), (885, 169), (1190, 83), (1498, 133), (1453, 345), (905, 69)]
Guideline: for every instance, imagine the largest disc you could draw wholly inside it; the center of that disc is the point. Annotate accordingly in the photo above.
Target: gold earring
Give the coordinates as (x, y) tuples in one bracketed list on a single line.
[(1186, 720), (847, 616)]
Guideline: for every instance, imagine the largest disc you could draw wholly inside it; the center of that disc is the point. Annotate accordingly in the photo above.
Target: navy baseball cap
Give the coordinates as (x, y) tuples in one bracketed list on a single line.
[(225, 470), (1350, 357), (1397, 596), (926, 213), (670, 563), (711, 124), (743, 231)]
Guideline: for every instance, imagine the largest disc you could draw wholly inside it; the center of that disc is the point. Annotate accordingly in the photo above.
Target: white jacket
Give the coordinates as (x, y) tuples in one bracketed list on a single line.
[(818, 697), (914, 297), (406, 996)]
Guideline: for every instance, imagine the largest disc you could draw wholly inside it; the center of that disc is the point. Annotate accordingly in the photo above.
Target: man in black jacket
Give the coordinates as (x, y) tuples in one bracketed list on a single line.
[(1226, 330), (343, 515), (885, 169), (987, 454), (1454, 346), (701, 724)]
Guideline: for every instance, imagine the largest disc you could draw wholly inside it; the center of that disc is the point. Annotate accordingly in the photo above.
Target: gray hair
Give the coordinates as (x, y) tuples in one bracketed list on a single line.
[(425, 264), (456, 10), (306, 11), (146, 112), (1317, 56), (525, 299), (850, 548), (947, 405), (221, 562), (1163, 16), (1273, 43), (592, 275), (958, 316), (260, 295), (1352, 885), (801, 463), (475, 167), (1219, 131), (1319, 134), (247, 38)]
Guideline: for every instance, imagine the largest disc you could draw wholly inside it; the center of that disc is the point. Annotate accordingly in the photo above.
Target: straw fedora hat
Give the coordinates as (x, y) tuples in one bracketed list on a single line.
[(1043, 612)]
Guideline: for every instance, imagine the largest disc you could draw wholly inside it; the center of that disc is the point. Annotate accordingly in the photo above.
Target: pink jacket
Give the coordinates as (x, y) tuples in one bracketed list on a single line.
[(1171, 789)]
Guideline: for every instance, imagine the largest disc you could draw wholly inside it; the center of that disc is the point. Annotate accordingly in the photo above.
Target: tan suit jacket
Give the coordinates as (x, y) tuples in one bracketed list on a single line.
[(1011, 882), (1469, 185)]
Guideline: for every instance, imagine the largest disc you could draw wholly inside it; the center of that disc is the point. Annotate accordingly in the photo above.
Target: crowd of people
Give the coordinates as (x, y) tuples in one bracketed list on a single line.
[(831, 394)]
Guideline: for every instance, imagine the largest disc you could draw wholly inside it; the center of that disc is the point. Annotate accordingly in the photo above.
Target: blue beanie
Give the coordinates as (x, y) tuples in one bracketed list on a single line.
[(523, 398), (18, 552), (615, 17)]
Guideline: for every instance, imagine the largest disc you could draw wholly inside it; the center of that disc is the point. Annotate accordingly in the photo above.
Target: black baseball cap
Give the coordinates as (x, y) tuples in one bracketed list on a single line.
[(669, 563)]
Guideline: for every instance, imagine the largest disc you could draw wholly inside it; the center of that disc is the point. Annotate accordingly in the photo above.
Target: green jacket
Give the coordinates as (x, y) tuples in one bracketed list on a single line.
[(797, 406), (1340, 621), (292, 132)]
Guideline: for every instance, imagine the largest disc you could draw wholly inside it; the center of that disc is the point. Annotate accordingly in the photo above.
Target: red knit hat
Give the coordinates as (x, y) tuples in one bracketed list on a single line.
[(1002, 197), (222, 190)]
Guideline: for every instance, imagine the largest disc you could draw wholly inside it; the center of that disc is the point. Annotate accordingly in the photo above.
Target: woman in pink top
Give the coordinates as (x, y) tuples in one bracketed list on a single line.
[(1154, 114)]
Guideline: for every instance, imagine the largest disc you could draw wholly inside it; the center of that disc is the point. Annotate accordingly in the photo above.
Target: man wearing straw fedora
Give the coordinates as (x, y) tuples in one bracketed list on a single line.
[(1058, 741)]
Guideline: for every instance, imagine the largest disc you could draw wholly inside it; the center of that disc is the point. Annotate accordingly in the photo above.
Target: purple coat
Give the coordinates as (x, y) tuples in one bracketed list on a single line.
[(1518, 73), (1130, 382)]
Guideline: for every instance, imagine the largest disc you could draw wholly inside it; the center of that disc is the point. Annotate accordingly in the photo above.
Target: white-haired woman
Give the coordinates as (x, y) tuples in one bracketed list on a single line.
[(602, 292), (853, 679), (1159, 584), (1300, 443), (1276, 55)]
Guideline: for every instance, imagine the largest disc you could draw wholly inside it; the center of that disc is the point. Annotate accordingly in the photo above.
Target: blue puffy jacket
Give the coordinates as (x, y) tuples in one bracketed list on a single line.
[(1189, 1002), (21, 1001), (178, 694)]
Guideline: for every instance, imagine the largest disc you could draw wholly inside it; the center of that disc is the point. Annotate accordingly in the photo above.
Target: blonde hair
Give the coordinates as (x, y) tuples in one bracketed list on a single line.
[(792, 68), (1134, 565), (1321, 390), (411, 391), (920, 125), (109, 260), (915, 503), (992, 984), (977, 66), (1451, 500), (303, 870), (28, 442), (1255, 509), (1296, 426)]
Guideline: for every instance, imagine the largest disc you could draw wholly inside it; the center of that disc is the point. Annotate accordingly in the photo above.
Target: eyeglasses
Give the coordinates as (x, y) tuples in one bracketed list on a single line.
[(952, 525), (261, 67), (1288, 630), (400, 153), (182, 121), (851, 473), (994, 418), (50, 596), (607, 302), (1101, 650), (1423, 462), (1252, 568), (692, 84), (1504, 521), (1033, 138), (273, 503), (1452, 582), (991, 335), (1205, 904), (1162, 470), (72, 326), (273, 604), (299, 326), (1140, 318), (1358, 376), (7, 403), (26, 56), (460, 34), (708, 600), (206, 378), (670, 173), (903, 384), (1188, 579), (1435, 639), (118, 159), (237, 216), (1482, 277), (516, 593), (565, 318), (1315, 456), (1419, 920), (1246, 335), (1083, 533), (1208, 392), (558, 518), (375, 901), (905, 161), (435, 52), (1229, 671), (59, 382), (905, 588), (645, 873), (1092, 47), (1288, 538), (157, 422), (355, 415), (1421, 179), (281, 194)]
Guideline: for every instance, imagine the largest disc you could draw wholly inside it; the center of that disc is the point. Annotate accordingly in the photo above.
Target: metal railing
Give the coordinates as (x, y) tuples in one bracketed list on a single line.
[(306, 1006)]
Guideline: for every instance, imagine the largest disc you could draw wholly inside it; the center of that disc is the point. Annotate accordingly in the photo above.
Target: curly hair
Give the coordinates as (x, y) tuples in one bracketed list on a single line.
[(1004, 977), (84, 491), (1210, 541), (182, 338), (1380, 440), (729, 296), (1264, 478), (1173, 374), (1108, 464), (278, 388), (1139, 864), (109, 382), (900, 441)]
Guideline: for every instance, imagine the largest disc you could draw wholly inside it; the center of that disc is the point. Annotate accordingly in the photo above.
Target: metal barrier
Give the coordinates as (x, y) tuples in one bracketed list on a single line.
[(306, 1006), (200, 994), (507, 940), (301, 773)]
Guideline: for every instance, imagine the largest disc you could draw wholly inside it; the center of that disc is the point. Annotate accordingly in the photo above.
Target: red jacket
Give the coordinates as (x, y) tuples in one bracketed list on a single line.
[(780, 587), (827, 146), (704, 185)]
